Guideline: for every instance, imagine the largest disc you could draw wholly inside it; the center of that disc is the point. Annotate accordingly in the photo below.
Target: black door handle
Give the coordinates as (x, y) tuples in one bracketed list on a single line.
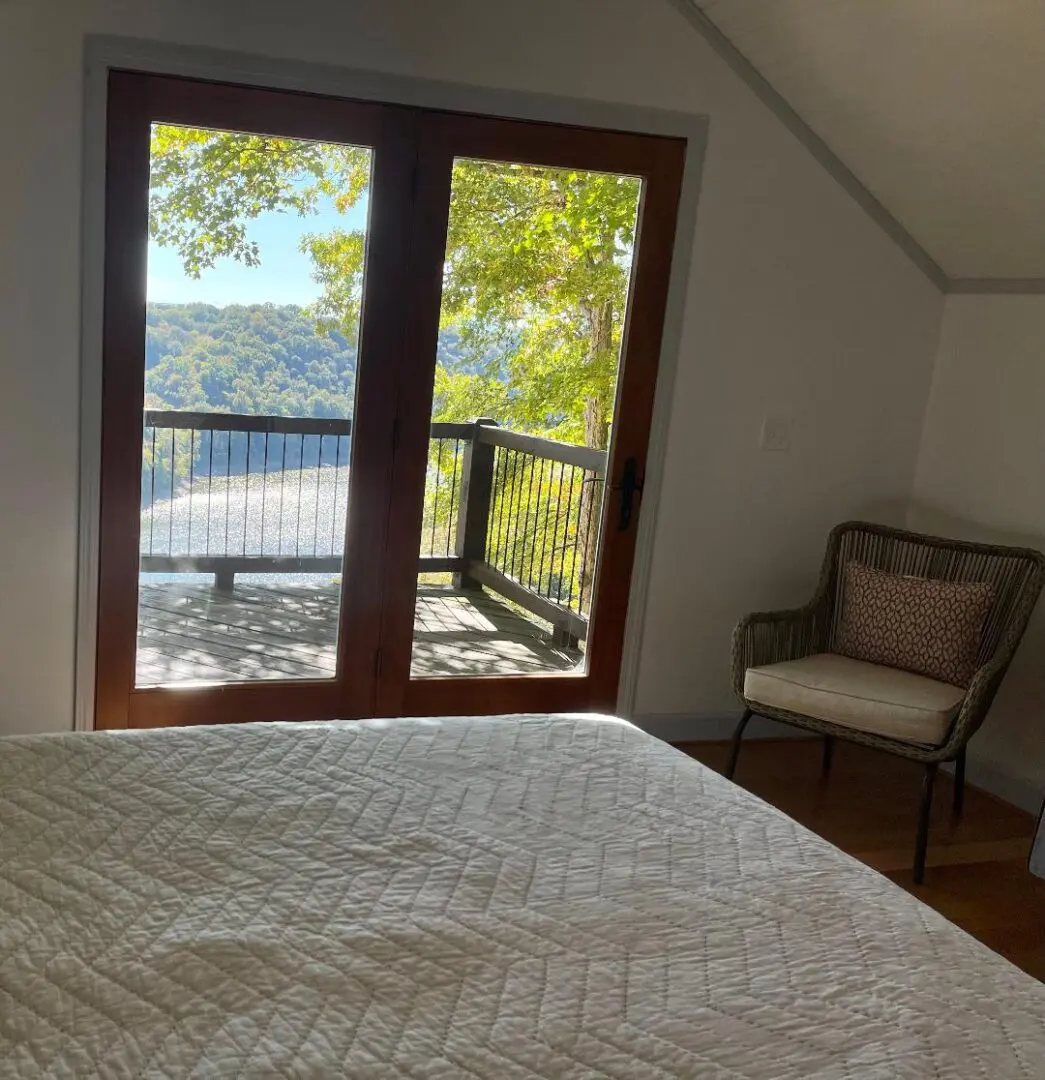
[(630, 483)]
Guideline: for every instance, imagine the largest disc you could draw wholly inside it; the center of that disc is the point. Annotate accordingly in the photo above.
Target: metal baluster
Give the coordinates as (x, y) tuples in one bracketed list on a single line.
[(555, 529), (544, 531), (210, 488), (596, 508), (246, 496), (192, 481), (455, 510), (513, 511), (301, 474), (282, 488), (566, 537), (152, 493), (315, 522), (337, 474), (517, 532), (228, 487), (576, 547), (538, 464), (530, 462), (170, 508), (264, 492), (506, 510), (493, 556), (435, 499)]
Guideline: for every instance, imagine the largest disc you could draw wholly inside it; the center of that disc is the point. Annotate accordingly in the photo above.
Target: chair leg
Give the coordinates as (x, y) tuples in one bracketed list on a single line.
[(829, 753), (734, 750), (923, 822), (959, 784)]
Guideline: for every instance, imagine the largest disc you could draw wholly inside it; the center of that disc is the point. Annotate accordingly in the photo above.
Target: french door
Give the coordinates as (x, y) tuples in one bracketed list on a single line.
[(411, 490)]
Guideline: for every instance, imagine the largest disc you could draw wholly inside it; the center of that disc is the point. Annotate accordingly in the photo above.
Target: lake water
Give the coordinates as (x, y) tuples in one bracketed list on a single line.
[(290, 513), (296, 513)]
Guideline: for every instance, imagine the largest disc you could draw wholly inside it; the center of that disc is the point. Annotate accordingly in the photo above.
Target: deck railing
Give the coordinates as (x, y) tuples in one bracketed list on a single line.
[(228, 494)]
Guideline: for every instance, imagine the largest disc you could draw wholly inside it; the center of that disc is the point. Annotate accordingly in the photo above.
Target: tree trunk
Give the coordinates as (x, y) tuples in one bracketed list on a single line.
[(597, 418)]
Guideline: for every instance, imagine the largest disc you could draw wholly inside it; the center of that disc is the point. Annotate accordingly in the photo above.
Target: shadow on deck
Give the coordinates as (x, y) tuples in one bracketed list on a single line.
[(196, 633)]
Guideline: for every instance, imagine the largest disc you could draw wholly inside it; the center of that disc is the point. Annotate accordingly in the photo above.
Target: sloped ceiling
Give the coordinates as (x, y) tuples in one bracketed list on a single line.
[(936, 106)]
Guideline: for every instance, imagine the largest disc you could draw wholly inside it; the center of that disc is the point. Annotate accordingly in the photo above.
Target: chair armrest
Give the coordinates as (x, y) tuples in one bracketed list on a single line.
[(770, 637), (976, 703)]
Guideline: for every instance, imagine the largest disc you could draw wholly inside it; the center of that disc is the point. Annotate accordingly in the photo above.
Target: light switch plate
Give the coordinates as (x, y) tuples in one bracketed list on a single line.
[(776, 431)]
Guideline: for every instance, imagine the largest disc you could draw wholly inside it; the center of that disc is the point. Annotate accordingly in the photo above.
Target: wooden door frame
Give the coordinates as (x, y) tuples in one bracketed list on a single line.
[(660, 162), (135, 101), (104, 53)]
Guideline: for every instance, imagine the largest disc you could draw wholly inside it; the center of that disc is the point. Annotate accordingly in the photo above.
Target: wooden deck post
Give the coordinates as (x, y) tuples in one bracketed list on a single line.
[(474, 513), (562, 637)]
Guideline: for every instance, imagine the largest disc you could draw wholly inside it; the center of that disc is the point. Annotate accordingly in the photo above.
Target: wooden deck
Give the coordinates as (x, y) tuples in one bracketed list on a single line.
[(197, 634)]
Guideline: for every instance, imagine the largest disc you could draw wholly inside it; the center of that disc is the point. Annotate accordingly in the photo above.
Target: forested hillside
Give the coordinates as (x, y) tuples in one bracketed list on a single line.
[(265, 358)]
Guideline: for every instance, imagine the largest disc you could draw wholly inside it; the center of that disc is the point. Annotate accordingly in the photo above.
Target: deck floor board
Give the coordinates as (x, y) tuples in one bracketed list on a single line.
[(196, 633)]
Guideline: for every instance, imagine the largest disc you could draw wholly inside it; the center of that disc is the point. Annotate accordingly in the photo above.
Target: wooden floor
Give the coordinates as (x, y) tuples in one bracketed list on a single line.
[(194, 633), (977, 868)]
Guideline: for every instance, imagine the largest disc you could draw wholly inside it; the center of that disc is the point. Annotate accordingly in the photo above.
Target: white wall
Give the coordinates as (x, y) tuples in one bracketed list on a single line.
[(796, 300), (981, 475)]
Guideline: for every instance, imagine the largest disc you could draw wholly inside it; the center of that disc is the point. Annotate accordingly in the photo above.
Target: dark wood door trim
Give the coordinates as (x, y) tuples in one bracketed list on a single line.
[(290, 114), (367, 592), (640, 360), (123, 391), (414, 392)]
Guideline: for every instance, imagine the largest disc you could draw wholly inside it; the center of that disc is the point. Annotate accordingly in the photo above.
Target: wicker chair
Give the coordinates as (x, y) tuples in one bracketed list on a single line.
[(1016, 575)]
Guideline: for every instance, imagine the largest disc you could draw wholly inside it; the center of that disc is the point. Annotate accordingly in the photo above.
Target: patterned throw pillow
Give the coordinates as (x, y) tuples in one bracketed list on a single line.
[(923, 625)]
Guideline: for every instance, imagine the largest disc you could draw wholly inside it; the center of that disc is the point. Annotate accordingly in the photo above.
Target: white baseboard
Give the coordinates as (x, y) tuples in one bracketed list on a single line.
[(693, 727)]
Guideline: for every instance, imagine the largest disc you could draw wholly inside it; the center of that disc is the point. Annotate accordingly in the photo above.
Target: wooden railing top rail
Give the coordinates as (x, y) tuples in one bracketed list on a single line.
[(210, 421), (583, 457), (181, 420)]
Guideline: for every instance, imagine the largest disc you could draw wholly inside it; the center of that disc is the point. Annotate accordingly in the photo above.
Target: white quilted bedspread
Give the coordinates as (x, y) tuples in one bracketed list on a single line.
[(496, 898)]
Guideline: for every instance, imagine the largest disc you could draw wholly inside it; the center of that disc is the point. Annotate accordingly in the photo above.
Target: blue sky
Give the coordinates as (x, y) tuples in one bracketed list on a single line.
[(284, 276)]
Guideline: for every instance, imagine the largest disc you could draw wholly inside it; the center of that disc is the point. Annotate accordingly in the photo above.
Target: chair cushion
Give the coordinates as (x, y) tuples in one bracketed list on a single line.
[(924, 625), (856, 694)]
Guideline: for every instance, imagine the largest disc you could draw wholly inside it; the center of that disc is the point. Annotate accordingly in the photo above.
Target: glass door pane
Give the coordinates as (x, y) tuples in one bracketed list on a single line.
[(536, 283), (255, 278)]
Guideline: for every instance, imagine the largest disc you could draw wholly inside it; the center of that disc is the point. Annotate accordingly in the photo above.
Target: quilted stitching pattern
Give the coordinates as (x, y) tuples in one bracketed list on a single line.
[(923, 625), (502, 898)]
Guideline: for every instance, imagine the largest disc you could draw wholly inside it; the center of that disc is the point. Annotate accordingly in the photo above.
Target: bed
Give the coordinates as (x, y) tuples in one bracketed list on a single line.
[(553, 896)]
